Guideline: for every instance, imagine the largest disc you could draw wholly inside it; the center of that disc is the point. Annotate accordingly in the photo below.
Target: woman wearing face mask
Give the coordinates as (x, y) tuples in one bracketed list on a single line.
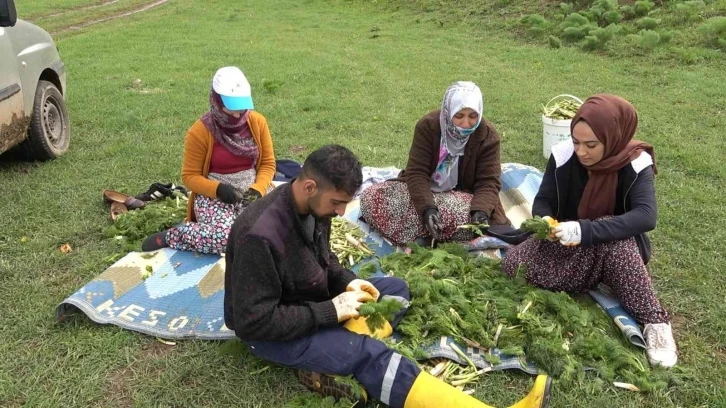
[(228, 162), (599, 185), (452, 176)]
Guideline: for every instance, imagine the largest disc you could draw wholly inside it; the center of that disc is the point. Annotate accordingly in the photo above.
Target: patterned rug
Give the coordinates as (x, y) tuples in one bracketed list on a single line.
[(175, 294), (182, 298)]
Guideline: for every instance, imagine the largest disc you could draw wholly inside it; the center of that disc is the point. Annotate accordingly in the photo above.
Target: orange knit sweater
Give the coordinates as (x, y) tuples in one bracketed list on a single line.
[(198, 154)]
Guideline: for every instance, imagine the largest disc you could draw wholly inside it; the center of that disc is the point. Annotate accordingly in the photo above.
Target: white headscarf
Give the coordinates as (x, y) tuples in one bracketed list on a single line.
[(460, 95)]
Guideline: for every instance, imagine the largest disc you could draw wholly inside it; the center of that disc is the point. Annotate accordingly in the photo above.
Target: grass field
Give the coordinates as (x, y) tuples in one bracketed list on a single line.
[(351, 72), (670, 31)]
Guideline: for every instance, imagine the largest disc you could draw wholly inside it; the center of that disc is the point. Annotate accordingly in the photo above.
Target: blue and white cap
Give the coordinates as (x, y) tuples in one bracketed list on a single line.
[(232, 86)]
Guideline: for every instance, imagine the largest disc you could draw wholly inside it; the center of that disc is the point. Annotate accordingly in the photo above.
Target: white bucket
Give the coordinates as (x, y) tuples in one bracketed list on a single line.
[(555, 130)]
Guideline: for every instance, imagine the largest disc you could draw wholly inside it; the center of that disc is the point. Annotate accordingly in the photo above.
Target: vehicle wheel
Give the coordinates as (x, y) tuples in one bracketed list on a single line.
[(49, 133)]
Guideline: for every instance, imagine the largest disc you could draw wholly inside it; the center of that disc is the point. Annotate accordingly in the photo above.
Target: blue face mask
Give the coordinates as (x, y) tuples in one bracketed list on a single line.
[(469, 131)]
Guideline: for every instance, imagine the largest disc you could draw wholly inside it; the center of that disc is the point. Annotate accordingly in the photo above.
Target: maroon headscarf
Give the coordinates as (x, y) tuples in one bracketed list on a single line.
[(614, 121), (231, 132)]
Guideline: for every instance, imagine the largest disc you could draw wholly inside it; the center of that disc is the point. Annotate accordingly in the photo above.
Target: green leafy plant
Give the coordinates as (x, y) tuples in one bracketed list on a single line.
[(628, 12), (665, 36), (604, 12), (537, 24), (714, 32), (592, 43), (554, 41), (648, 39), (310, 400), (576, 27), (378, 313), (471, 300), (612, 17), (476, 229), (133, 227), (599, 37), (607, 5), (643, 7), (687, 55), (648, 23), (539, 226), (689, 10)]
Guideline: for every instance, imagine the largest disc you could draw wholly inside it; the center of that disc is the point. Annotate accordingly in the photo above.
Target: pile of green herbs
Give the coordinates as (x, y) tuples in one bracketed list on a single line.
[(131, 228), (473, 301)]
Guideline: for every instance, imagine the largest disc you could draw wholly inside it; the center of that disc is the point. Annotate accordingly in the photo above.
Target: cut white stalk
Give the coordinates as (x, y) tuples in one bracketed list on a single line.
[(626, 386), (438, 369), (499, 331), (461, 354), (520, 314)]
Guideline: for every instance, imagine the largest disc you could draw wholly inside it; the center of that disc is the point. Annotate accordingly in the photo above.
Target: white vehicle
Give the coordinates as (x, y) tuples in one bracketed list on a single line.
[(32, 87)]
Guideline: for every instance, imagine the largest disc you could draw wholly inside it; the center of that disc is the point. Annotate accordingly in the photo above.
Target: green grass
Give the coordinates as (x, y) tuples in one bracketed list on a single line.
[(353, 73), (677, 25)]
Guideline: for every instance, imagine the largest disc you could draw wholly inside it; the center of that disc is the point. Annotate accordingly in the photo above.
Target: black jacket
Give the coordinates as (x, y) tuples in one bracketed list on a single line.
[(278, 283), (636, 211)]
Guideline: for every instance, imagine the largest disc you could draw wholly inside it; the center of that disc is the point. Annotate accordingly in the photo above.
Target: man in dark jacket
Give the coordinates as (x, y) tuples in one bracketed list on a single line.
[(286, 295)]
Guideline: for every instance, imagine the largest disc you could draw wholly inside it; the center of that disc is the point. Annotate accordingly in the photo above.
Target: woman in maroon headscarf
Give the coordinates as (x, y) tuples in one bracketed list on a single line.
[(599, 185)]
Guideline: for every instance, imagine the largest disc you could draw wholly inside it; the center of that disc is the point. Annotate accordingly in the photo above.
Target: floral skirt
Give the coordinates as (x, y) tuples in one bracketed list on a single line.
[(618, 264), (387, 207), (208, 234)]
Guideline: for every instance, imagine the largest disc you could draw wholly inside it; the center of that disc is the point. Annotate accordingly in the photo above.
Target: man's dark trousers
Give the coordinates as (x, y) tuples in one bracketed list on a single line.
[(385, 374)]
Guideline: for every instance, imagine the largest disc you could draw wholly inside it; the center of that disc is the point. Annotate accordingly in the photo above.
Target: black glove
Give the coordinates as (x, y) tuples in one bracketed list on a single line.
[(432, 222), (228, 194), (250, 196), (480, 217)]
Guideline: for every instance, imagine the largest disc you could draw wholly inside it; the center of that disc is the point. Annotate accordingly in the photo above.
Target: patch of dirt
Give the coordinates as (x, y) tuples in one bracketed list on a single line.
[(71, 9), (721, 353), (155, 349), (77, 27), (119, 391), (679, 322), (297, 149), (12, 403)]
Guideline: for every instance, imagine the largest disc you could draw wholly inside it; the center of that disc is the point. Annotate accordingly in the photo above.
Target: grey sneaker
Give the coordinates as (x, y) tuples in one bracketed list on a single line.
[(661, 347)]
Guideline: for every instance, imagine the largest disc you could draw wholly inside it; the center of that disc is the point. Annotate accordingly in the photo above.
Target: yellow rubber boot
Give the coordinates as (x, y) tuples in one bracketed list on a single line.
[(430, 392), (539, 396), (358, 325)]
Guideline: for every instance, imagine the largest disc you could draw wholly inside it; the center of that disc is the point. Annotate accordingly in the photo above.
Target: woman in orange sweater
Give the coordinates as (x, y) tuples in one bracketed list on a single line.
[(229, 161)]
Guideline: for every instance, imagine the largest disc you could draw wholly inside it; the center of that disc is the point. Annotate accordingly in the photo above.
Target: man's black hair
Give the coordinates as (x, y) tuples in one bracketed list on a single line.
[(334, 166)]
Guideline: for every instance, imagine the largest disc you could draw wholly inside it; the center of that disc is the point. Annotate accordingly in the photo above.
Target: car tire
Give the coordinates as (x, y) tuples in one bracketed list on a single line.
[(49, 134)]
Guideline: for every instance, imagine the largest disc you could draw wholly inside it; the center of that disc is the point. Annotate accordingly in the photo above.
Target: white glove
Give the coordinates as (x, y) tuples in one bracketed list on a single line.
[(361, 285), (569, 233), (347, 304)]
